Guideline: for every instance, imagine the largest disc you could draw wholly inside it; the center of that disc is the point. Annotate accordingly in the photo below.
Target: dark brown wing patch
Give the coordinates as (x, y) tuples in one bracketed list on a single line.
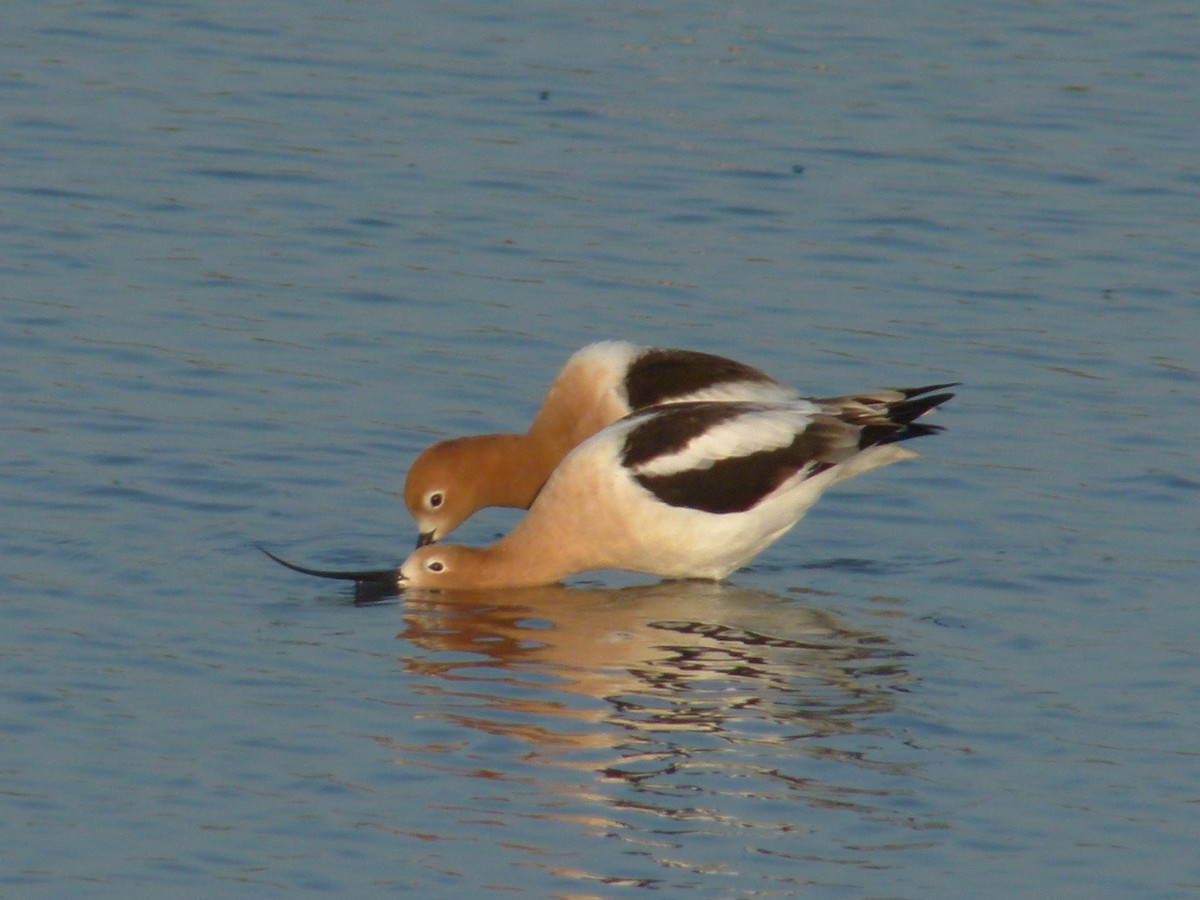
[(660, 375), (730, 486)]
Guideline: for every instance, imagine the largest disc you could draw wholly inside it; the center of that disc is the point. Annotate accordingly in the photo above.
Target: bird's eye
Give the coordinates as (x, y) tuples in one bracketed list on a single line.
[(436, 499), (436, 566)]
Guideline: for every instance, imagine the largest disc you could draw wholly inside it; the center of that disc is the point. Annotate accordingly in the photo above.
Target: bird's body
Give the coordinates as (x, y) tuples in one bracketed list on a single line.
[(693, 489), (600, 384)]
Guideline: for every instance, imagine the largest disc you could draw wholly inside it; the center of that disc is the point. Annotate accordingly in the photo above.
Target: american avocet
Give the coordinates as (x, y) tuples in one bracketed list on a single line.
[(454, 479), (688, 490)]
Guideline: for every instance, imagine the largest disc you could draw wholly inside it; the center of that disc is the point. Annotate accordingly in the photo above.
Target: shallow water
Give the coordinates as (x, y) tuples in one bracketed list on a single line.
[(255, 258)]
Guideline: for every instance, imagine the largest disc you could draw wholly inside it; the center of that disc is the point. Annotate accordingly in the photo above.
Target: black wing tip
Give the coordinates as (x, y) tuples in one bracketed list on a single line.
[(902, 424), (916, 405), (910, 393), (362, 576)]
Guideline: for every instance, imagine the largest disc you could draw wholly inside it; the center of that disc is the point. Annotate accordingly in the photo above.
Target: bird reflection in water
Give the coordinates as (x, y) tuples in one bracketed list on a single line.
[(569, 669), (653, 715)]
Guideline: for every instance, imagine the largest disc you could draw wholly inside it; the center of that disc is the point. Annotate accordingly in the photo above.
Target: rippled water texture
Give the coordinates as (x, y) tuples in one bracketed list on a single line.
[(255, 257)]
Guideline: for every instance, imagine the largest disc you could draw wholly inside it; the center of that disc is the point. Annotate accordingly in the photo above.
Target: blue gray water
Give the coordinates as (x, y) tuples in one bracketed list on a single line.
[(255, 257)]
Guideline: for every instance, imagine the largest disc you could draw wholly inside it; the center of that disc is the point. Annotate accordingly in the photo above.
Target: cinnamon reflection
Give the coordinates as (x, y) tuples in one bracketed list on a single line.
[(572, 669)]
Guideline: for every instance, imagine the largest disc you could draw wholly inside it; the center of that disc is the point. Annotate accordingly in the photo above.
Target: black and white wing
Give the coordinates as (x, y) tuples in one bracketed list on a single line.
[(729, 457)]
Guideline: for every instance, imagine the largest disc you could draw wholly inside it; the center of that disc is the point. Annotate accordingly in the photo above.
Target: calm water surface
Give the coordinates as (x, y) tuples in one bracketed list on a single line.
[(255, 257)]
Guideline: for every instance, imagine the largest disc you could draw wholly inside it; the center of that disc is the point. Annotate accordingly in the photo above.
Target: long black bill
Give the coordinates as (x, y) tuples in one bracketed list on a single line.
[(383, 577)]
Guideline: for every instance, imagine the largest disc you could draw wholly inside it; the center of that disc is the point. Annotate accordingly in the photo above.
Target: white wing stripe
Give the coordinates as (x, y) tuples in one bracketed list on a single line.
[(754, 431)]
